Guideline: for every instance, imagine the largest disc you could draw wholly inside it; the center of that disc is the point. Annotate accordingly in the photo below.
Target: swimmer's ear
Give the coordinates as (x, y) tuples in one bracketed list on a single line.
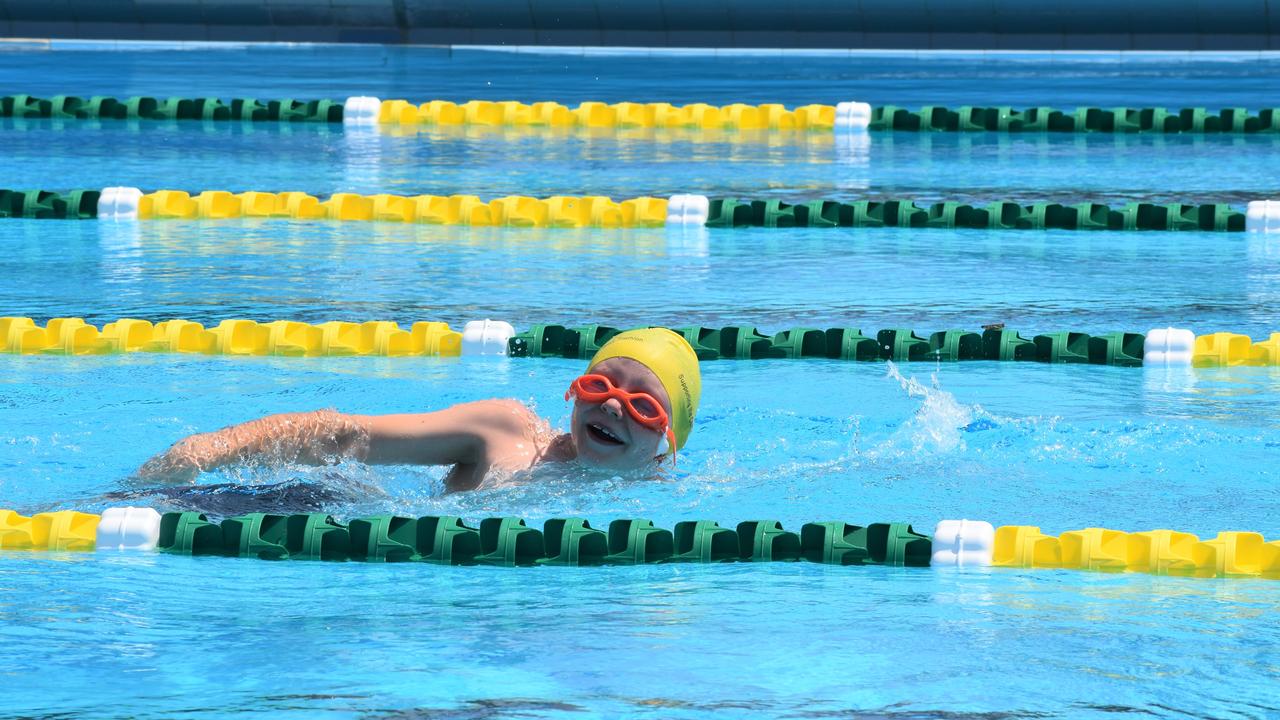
[(664, 449)]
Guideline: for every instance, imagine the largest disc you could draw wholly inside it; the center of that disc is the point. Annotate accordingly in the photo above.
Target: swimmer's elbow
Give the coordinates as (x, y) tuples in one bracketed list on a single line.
[(463, 478)]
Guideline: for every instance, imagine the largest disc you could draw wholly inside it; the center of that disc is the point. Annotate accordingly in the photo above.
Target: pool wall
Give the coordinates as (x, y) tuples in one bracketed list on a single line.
[(868, 24)]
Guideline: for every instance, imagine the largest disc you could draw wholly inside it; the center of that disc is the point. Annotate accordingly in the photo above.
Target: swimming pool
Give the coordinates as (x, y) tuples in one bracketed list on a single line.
[(1060, 446)]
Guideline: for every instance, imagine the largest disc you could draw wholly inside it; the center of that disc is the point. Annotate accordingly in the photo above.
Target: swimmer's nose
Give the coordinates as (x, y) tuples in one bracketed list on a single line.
[(614, 407)]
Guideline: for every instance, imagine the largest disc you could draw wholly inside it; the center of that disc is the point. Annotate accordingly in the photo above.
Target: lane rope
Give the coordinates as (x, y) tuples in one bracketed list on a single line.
[(847, 116), (287, 338), (510, 542), (677, 211)]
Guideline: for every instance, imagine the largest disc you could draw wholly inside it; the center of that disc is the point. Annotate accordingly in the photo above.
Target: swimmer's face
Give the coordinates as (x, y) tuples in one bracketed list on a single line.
[(604, 434)]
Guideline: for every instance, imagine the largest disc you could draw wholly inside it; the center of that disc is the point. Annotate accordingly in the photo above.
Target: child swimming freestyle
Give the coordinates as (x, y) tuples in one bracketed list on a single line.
[(634, 406)]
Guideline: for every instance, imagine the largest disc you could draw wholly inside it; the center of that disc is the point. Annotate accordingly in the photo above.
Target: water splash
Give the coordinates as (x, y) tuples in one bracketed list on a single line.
[(938, 424)]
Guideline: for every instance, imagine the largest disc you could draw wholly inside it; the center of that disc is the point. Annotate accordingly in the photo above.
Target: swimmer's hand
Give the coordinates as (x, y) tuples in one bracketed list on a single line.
[(175, 466)]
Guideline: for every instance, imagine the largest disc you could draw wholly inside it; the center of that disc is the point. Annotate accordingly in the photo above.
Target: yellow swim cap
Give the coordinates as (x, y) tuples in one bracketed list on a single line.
[(672, 359)]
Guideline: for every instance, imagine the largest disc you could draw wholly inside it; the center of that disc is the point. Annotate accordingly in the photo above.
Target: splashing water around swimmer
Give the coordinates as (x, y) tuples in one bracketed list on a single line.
[(936, 425)]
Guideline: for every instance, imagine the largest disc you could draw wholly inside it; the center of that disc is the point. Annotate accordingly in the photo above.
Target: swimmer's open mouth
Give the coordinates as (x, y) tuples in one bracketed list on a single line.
[(604, 434)]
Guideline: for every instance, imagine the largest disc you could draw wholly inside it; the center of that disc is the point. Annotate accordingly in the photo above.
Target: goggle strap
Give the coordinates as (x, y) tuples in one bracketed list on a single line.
[(667, 446)]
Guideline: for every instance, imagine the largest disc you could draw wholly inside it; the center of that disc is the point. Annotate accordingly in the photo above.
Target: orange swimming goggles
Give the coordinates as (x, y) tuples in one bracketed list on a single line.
[(642, 407)]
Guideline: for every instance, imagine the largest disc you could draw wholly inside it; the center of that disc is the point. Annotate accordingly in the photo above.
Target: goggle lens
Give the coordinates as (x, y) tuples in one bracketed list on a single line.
[(646, 408)]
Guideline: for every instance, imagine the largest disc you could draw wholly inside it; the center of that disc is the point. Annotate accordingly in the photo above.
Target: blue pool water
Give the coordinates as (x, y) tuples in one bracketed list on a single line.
[(1063, 447)]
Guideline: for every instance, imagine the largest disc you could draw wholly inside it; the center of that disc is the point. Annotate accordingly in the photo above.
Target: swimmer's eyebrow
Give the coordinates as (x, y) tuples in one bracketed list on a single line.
[(638, 379), (644, 383), (635, 380)]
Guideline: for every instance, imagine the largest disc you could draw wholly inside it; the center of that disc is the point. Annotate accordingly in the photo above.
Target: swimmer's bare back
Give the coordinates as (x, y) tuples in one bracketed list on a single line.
[(475, 438)]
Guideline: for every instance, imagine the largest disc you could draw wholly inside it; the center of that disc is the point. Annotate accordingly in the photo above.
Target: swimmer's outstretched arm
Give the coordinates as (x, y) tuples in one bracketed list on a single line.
[(293, 437), (459, 436)]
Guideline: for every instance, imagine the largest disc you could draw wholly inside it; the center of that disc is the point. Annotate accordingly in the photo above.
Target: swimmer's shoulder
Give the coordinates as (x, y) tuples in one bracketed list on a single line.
[(512, 438), (504, 416)]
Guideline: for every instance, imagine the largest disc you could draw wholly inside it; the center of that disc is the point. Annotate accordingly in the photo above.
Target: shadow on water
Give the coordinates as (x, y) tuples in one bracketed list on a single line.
[(494, 708)]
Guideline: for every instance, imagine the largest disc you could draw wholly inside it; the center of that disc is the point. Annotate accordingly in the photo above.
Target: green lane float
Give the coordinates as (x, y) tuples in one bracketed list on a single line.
[(1157, 120), (1214, 217), (42, 204), (745, 342), (843, 116), (574, 542), (677, 211), (101, 107)]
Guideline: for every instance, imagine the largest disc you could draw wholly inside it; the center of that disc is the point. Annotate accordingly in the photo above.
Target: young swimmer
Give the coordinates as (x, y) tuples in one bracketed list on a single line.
[(634, 405)]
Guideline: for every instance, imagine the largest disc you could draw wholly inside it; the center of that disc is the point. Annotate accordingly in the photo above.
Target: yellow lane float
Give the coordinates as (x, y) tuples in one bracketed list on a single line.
[(72, 336), (560, 211)]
